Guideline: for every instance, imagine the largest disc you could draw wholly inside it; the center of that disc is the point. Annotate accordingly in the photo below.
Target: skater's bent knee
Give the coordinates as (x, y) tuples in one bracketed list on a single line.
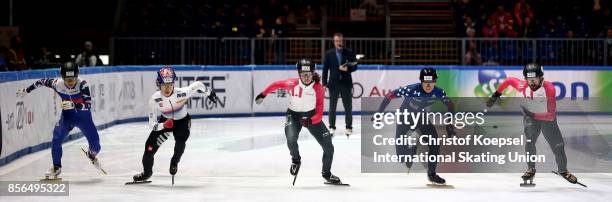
[(329, 149), (560, 146)]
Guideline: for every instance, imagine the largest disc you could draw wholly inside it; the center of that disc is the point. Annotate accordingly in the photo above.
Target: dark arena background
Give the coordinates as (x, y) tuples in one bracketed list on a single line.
[(157, 100)]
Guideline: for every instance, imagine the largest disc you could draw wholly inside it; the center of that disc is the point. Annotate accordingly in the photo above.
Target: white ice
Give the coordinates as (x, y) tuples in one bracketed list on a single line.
[(246, 159)]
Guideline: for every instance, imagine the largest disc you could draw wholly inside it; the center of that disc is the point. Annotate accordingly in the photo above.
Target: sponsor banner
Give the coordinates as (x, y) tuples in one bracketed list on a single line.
[(234, 89), (26, 121), (568, 84)]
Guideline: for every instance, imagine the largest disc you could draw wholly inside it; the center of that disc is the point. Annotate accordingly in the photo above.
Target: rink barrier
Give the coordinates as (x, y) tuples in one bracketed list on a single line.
[(264, 74)]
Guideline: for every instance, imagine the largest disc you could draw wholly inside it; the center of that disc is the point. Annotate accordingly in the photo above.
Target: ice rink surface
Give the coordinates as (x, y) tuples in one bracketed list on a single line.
[(246, 159)]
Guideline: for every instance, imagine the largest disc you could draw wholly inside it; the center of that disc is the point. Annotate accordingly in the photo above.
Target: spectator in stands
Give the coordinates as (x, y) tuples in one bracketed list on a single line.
[(280, 30), (598, 20), (504, 22), (45, 59), (470, 33), (88, 57), (260, 28), (490, 30), (372, 8), (528, 30), (16, 57), (465, 8), (291, 18), (260, 32), (309, 15), (469, 24), (472, 57), (522, 10), (569, 49)]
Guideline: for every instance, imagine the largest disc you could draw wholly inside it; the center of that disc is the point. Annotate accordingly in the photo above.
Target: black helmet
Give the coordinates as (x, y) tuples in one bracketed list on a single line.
[(533, 70), (428, 74), (304, 65), (69, 69)]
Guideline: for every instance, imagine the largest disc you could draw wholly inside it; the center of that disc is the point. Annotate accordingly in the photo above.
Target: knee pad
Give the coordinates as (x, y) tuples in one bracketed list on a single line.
[(162, 138)]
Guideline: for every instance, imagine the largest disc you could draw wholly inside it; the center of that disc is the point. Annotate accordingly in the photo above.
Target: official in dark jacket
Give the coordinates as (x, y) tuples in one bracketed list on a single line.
[(338, 65)]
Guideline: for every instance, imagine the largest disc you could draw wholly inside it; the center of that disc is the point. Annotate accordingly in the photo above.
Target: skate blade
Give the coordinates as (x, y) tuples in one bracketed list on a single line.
[(98, 168), (138, 182), (578, 183), (46, 179), (294, 178), (337, 184), (528, 185), (441, 186)]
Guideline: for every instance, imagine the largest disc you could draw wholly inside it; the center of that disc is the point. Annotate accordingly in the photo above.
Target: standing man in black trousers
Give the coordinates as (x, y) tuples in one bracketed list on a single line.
[(339, 63)]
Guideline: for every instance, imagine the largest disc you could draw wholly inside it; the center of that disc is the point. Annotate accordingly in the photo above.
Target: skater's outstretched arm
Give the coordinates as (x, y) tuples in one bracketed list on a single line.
[(284, 84), (392, 95), (517, 84), (198, 86), (42, 82)]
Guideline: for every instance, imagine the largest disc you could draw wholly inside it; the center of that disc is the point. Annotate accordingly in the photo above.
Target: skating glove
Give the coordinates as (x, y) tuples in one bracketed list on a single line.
[(169, 123), (306, 122), (66, 105), (450, 130), (22, 92), (493, 99), (213, 97), (259, 98), (527, 112)]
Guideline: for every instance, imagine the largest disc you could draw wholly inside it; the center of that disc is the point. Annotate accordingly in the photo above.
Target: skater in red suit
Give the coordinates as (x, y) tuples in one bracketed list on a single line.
[(305, 110), (539, 109)]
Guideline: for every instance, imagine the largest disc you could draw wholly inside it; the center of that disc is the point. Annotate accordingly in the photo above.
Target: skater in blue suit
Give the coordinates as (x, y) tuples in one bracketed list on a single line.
[(76, 105)]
